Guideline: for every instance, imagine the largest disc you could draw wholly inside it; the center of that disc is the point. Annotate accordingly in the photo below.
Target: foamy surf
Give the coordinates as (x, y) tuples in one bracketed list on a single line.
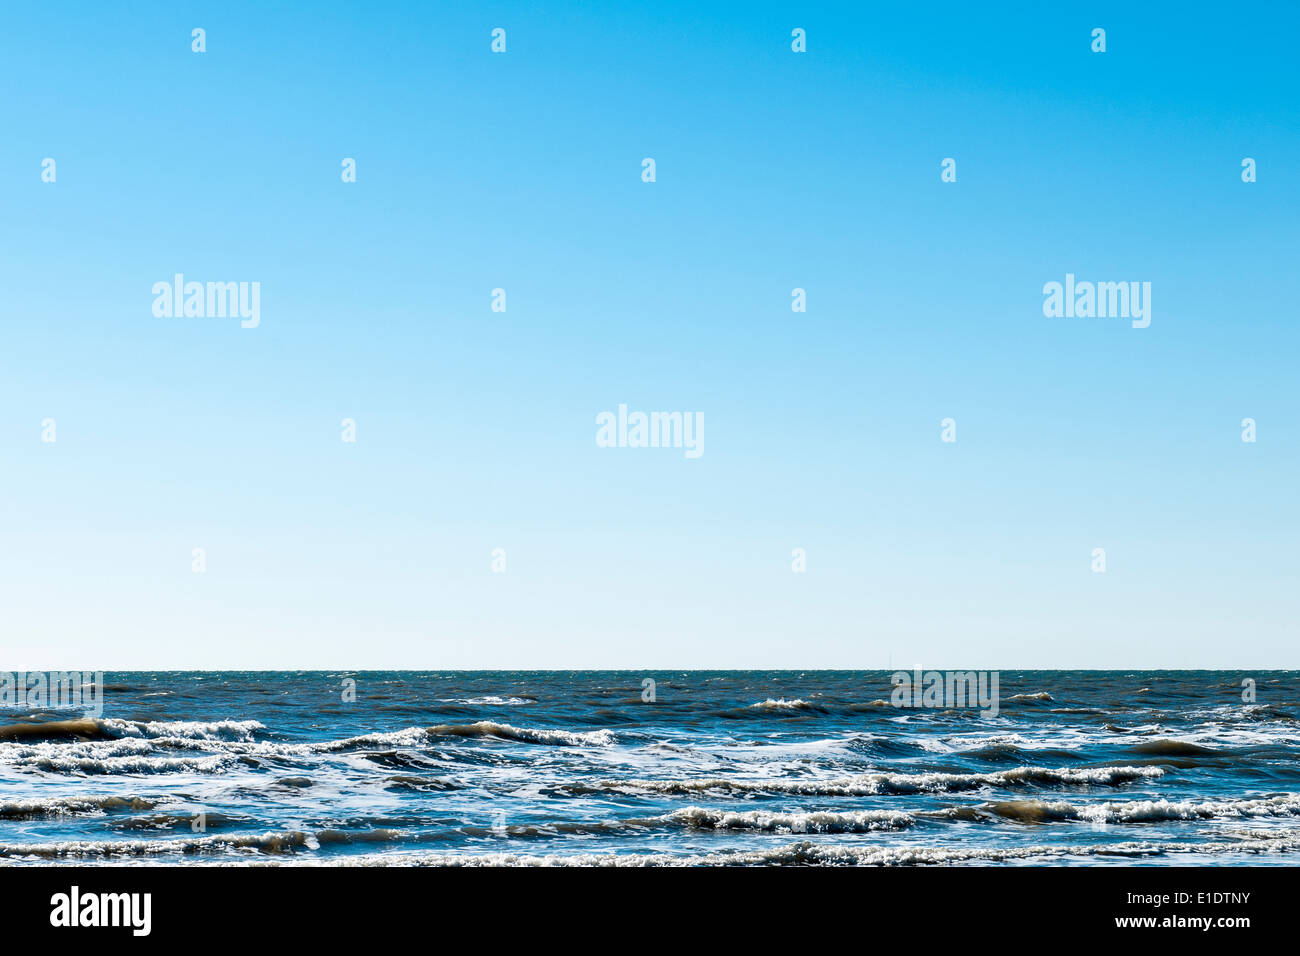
[(825, 821), (562, 738), (38, 808), (1146, 811), (877, 784), (781, 705), (813, 854), (719, 769), (75, 849)]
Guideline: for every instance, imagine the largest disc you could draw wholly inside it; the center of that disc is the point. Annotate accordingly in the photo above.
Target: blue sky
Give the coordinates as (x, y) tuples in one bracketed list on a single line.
[(476, 429)]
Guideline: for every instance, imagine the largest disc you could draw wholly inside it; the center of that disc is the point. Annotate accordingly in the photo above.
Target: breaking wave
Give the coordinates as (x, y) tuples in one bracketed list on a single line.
[(874, 784), (825, 821), (562, 738), (819, 854), (1147, 811)]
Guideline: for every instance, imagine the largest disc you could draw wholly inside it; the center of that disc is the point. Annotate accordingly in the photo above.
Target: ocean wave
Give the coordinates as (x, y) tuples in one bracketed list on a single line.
[(272, 842), (137, 764), (408, 737), (1146, 811), (300, 848), (782, 704), (113, 728), (489, 701), (419, 736), (1171, 748), (140, 754), (1062, 743), (818, 854), (238, 730), (378, 835), (114, 746), (487, 728), (822, 821), (419, 784), (875, 784), (84, 728), (39, 807)]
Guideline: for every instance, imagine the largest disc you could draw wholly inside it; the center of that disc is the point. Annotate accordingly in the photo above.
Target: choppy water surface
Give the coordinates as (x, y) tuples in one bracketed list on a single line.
[(724, 767)]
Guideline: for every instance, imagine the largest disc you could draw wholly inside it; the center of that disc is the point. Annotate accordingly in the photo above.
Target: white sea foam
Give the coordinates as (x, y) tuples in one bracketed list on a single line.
[(408, 737), (36, 807), (871, 784), (814, 854), (89, 766), (205, 730), (183, 729), (1148, 811), (781, 704), (419, 736), (299, 848), (271, 842), (488, 728), (489, 701), (822, 821)]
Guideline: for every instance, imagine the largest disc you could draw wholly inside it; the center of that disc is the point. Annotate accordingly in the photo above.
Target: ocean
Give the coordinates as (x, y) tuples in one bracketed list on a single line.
[(1083, 768)]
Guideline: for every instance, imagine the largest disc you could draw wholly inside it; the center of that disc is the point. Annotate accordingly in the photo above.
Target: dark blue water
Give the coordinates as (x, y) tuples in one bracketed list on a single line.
[(722, 767)]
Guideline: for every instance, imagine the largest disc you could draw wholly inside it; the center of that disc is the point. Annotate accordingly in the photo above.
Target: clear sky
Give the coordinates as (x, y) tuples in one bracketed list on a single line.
[(476, 429)]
